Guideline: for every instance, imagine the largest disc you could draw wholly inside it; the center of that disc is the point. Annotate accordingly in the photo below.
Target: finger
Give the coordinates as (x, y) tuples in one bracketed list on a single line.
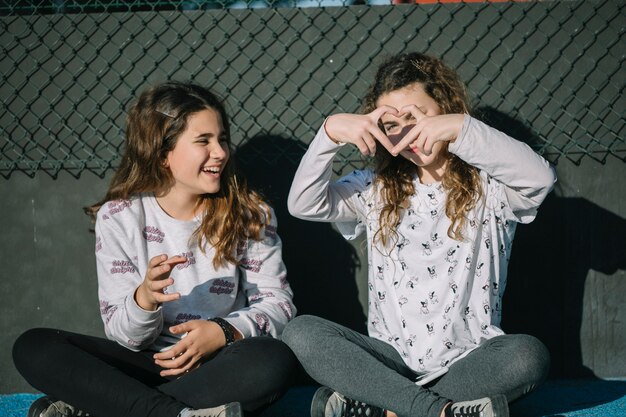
[(183, 364), (175, 260), (157, 260), (428, 145), (362, 147), (414, 110), (418, 143), (159, 272), (162, 270), (171, 354), (382, 138), (408, 139), (159, 293), (166, 298), (183, 327), (423, 137), (381, 111), (160, 285), (375, 131), (414, 134), (369, 143), (175, 363)]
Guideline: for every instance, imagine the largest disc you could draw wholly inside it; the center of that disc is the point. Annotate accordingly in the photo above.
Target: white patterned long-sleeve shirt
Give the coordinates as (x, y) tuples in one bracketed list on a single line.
[(254, 296), (432, 297)]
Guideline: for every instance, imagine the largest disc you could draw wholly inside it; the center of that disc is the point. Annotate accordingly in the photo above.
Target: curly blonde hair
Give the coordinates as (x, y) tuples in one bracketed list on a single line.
[(154, 124), (395, 175)]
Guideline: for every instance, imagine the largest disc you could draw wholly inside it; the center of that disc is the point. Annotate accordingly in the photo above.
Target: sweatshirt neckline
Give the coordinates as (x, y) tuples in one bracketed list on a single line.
[(166, 217)]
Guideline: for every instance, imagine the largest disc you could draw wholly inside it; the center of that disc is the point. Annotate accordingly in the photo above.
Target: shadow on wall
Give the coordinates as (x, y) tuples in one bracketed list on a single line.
[(550, 262), (321, 264)]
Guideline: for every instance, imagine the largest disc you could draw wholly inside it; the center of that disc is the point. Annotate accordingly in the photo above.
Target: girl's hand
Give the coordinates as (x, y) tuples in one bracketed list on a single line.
[(151, 292), (428, 130), (361, 130), (203, 338)]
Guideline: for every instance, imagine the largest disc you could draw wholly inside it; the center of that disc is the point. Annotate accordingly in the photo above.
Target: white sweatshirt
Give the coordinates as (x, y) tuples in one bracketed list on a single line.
[(431, 297), (254, 297)]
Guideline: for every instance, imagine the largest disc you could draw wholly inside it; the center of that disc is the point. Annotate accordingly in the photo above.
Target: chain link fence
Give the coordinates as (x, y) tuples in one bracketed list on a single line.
[(552, 73)]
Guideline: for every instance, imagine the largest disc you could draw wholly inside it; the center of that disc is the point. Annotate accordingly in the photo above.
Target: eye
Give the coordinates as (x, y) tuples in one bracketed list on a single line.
[(390, 127)]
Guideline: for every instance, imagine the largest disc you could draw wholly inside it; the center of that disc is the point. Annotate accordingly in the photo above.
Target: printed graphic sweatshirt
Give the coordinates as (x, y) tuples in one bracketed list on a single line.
[(432, 297), (254, 296)]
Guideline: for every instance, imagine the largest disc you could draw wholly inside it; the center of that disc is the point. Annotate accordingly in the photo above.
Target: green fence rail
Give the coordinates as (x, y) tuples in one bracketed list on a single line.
[(551, 73)]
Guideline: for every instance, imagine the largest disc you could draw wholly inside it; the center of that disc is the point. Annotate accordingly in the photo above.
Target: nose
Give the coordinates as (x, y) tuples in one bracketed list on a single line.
[(219, 151)]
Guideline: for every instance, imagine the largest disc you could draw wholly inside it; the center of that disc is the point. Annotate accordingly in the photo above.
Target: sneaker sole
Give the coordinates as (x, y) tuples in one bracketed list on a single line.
[(500, 406), (318, 403), (40, 405), (233, 410)]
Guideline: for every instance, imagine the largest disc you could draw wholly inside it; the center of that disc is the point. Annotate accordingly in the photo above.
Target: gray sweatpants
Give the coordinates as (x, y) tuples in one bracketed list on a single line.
[(372, 371)]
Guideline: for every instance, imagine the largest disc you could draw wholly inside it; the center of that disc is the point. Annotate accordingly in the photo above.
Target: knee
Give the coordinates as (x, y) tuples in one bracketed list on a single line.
[(300, 333), (275, 354), (532, 358), (266, 355), (267, 360), (27, 348)]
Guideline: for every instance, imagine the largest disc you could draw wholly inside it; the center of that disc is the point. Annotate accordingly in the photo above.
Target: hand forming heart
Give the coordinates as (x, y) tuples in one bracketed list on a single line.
[(427, 131), (362, 130)]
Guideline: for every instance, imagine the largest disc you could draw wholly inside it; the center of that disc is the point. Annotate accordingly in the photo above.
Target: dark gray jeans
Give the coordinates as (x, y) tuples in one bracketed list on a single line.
[(372, 371)]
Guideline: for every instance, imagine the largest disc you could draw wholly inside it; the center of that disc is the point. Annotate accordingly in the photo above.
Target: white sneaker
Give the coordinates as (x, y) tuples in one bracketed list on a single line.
[(49, 407), (328, 403), (226, 410), (496, 406)]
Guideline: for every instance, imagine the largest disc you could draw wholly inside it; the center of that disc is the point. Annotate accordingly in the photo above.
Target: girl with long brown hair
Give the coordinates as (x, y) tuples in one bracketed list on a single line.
[(189, 274), (439, 211)]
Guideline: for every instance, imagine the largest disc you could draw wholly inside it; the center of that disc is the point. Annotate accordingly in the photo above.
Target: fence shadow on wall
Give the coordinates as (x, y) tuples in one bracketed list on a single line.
[(551, 259)]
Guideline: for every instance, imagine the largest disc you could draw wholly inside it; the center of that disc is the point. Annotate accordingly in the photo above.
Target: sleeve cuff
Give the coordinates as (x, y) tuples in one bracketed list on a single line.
[(458, 143), (139, 315), (328, 138)]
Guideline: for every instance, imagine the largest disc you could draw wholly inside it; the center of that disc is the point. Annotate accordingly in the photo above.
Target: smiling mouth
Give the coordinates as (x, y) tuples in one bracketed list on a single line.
[(211, 170)]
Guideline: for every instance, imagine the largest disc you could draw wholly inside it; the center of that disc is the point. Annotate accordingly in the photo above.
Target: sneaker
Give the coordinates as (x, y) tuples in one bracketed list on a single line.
[(49, 407), (226, 410), (496, 406), (328, 403)]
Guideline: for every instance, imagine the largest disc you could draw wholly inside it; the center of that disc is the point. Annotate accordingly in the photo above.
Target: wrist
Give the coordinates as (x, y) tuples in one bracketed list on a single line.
[(227, 328), (141, 299), (328, 134)]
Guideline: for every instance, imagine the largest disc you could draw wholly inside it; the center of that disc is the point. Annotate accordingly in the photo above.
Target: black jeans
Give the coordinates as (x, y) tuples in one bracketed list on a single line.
[(108, 380)]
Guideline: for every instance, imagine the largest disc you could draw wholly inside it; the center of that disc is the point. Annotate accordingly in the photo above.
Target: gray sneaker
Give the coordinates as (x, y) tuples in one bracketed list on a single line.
[(50, 407), (328, 403), (226, 410), (495, 406)]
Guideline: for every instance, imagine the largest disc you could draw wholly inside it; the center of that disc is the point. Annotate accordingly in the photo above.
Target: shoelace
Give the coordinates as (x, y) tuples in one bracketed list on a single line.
[(469, 411), (354, 408), (217, 414)]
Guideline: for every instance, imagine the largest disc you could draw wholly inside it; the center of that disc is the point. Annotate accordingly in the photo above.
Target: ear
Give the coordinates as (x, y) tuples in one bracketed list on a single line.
[(165, 163)]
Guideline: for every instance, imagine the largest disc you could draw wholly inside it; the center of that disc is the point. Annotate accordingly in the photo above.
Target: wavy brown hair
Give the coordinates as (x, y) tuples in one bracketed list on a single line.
[(154, 124), (395, 175)]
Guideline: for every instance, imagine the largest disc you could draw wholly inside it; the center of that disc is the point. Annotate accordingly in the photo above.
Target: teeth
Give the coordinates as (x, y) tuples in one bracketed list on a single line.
[(214, 170)]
